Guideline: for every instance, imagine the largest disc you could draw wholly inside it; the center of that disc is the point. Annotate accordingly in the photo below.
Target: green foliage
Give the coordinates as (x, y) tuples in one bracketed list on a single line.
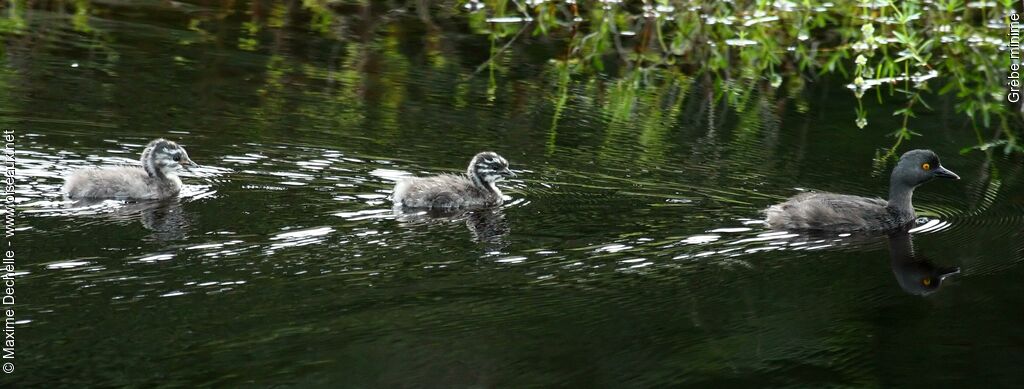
[(906, 53), (895, 48)]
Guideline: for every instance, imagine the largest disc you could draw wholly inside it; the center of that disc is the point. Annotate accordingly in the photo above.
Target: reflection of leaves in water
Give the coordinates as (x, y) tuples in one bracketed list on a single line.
[(14, 23), (736, 45)]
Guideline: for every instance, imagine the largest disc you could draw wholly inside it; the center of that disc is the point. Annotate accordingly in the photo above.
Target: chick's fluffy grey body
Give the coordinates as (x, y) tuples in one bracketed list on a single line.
[(128, 182), (474, 189), (445, 191)]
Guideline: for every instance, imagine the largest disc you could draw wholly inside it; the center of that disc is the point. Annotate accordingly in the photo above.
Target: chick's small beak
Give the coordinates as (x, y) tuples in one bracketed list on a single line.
[(942, 172), (188, 164), (508, 173)]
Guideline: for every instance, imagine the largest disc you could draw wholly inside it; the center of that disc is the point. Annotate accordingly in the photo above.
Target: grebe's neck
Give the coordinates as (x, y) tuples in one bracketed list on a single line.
[(900, 195)]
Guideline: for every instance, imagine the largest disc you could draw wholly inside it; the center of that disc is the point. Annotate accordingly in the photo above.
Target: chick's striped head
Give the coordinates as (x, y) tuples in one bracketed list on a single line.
[(488, 166), (163, 157)]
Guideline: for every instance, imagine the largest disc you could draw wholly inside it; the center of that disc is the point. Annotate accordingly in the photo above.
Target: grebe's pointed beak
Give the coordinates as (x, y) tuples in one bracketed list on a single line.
[(188, 164), (942, 172)]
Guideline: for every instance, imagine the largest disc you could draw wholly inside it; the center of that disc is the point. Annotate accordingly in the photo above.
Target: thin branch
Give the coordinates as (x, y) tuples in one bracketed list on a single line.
[(500, 51)]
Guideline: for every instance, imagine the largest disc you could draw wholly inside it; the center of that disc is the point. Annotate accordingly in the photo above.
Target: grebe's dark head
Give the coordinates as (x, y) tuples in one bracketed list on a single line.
[(917, 167)]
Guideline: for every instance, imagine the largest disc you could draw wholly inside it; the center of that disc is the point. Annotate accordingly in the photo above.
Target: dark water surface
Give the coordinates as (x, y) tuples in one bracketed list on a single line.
[(630, 253)]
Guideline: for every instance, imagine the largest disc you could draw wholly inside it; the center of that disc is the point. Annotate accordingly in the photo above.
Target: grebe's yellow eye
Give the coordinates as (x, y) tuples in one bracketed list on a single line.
[(926, 281), (926, 166)]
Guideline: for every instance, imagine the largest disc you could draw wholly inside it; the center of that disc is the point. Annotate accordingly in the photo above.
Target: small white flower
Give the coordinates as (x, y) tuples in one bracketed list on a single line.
[(868, 29), (858, 81), (861, 60)]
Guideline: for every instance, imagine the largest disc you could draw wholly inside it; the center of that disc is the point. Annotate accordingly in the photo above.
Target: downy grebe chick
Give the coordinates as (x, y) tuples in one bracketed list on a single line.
[(157, 178), (475, 189), (846, 213)]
